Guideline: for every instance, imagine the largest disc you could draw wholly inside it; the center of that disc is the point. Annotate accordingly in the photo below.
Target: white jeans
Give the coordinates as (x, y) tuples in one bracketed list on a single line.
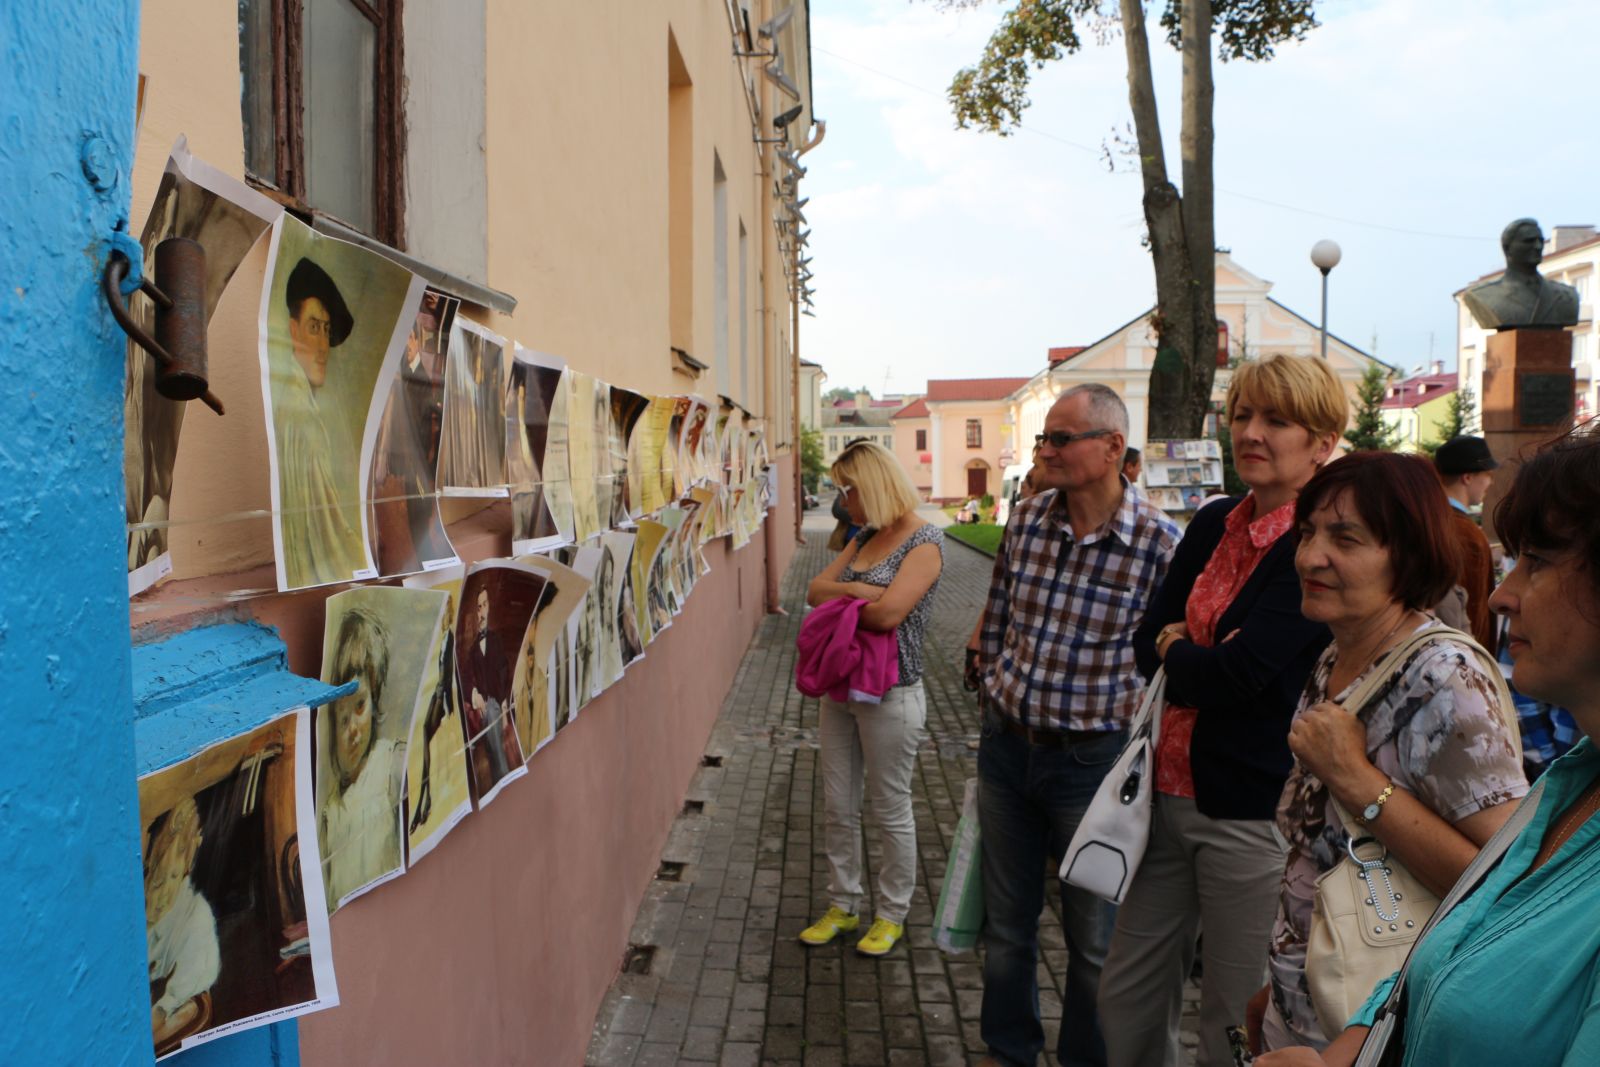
[(880, 740)]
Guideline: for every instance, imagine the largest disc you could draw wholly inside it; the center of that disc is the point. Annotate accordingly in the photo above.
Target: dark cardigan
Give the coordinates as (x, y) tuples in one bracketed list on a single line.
[(1245, 689)]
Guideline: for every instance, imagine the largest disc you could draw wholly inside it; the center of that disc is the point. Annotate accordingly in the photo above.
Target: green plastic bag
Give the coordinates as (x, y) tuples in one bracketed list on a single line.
[(959, 916)]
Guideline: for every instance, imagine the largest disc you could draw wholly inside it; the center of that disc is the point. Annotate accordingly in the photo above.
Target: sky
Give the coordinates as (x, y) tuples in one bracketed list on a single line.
[(1409, 131)]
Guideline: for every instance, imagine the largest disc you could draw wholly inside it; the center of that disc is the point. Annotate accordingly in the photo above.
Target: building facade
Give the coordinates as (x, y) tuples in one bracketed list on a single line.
[(971, 437), (1251, 325), (912, 446), (597, 181), (810, 395), (1571, 255), (1417, 408)]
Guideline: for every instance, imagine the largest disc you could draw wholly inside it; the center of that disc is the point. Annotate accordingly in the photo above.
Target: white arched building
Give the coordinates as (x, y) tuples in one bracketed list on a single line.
[(1251, 325)]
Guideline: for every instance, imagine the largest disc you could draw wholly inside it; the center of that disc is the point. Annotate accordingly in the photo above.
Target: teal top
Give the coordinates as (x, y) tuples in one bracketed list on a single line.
[(1509, 975)]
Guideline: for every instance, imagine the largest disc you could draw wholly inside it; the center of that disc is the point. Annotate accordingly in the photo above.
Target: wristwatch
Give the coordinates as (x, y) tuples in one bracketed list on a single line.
[(1370, 813)]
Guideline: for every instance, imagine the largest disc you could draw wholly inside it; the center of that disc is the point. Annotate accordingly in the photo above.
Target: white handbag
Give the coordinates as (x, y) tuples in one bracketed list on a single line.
[(1111, 838), (1369, 908)]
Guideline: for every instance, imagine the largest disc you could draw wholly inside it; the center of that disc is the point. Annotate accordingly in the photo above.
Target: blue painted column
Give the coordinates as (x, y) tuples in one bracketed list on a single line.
[(75, 987)]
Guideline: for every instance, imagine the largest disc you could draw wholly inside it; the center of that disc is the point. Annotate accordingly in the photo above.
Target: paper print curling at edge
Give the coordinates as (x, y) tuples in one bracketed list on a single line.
[(437, 794), (472, 451), (536, 421), (581, 446), (384, 638), (584, 627), (321, 295), (548, 638), (203, 988), (408, 533), (627, 409), (197, 201), (499, 598)]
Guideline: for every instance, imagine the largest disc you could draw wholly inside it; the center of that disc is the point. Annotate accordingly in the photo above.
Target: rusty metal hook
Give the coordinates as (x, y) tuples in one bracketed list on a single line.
[(174, 380)]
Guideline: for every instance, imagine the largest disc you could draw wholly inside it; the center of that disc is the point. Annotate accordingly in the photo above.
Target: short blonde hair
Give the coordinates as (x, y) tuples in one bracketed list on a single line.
[(871, 469), (1300, 388)]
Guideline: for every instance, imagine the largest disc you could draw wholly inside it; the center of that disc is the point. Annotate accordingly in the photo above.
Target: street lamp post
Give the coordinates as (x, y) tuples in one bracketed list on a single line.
[(1325, 255)]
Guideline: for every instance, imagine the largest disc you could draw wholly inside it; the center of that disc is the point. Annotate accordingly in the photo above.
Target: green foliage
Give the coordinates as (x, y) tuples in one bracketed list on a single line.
[(1367, 431), (812, 463), (992, 94), (983, 536), (987, 502), (1460, 417), (843, 392)]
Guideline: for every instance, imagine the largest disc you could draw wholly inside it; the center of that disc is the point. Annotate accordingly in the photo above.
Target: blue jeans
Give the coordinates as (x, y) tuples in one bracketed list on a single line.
[(1030, 798)]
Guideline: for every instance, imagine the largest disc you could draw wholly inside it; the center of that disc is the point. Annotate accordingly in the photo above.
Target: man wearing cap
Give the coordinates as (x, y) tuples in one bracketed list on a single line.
[(1466, 467), (320, 509)]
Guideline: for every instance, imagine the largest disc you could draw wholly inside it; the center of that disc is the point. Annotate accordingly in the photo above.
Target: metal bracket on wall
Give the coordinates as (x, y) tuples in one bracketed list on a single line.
[(179, 346)]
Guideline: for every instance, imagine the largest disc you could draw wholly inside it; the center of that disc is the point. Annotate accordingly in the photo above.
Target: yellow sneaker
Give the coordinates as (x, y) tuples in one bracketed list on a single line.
[(883, 936), (836, 922)]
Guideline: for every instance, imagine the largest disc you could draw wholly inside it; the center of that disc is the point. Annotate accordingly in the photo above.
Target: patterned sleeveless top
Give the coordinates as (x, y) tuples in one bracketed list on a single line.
[(910, 632)]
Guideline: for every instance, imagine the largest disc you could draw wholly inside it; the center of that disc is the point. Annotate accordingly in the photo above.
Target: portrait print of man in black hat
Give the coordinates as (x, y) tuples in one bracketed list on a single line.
[(335, 318), (319, 518)]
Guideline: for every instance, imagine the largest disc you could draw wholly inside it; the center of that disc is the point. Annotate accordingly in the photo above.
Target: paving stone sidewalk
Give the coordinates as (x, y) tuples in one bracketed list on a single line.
[(724, 980)]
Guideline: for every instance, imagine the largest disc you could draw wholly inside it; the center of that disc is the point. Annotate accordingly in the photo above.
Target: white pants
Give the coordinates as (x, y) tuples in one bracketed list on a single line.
[(879, 740)]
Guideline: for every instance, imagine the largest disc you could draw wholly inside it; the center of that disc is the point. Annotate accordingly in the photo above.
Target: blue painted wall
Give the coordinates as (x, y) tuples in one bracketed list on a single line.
[(75, 990)]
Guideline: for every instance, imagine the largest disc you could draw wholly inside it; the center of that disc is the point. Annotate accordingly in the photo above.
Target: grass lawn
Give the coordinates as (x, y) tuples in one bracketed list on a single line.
[(983, 536)]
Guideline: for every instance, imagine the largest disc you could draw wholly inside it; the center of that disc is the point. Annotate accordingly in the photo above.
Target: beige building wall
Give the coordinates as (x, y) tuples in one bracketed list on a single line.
[(953, 457), (910, 456), (590, 195), (811, 378)]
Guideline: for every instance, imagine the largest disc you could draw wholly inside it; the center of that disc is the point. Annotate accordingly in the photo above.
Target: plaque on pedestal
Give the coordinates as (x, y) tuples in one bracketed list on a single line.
[(1528, 385)]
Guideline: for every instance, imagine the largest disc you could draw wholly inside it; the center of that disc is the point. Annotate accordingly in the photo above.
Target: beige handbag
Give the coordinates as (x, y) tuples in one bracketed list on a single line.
[(1369, 909)]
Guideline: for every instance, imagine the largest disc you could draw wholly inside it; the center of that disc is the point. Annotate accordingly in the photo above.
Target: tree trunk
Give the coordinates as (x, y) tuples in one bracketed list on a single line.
[(1189, 408), (1165, 223)]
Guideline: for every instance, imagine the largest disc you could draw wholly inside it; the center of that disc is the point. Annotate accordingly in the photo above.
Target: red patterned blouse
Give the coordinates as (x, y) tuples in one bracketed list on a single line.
[(1245, 540)]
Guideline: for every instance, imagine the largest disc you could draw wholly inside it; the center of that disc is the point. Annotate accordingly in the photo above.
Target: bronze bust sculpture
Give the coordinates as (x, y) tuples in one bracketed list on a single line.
[(1522, 296)]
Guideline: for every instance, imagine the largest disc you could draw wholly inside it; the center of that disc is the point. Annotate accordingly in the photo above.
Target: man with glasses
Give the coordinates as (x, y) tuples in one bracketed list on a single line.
[(1076, 569)]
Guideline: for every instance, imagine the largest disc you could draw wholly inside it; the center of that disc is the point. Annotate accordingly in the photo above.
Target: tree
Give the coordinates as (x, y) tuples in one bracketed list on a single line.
[(1180, 227), (1460, 417), (812, 462), (1369, 432), (840, 392)]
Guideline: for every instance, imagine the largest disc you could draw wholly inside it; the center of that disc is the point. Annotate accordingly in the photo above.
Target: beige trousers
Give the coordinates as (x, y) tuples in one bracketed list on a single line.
[(1221, 875)]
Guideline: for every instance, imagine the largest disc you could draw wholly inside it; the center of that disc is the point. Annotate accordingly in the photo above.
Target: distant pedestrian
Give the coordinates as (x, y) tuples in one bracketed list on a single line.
[(1466, 467), (1132, 465), (893, 565), (1076, 569), (1227, 626)]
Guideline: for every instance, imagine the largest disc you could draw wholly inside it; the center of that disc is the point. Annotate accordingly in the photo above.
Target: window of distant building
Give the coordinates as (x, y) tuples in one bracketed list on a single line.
[(974, 433), (922, 440), (321, 90)]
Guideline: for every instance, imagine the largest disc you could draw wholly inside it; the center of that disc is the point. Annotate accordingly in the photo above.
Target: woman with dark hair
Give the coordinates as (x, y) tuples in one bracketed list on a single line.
[(1528, 929), (1226, 625), (1431, 765)]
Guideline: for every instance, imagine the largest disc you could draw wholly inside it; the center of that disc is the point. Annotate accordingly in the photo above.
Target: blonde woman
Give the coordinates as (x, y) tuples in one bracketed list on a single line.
[(1227, 626), (893, 564)]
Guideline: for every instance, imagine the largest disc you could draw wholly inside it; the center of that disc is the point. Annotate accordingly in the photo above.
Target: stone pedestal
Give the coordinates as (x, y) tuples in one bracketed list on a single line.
[(1528, 385)]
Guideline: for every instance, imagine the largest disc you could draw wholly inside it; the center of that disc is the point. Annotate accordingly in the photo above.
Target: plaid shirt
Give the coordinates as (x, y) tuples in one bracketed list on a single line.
[(1057, 639)]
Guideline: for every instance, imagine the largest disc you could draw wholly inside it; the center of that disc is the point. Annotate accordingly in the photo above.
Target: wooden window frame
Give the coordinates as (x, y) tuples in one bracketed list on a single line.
[(922, 440), (974, 433), (288, 185)]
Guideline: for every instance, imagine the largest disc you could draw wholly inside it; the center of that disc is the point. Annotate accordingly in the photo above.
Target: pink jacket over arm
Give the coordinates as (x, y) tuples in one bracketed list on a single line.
[(840, 660)]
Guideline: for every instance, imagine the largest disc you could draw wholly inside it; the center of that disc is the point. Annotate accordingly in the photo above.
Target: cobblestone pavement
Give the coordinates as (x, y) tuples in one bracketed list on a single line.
[(743, 873)]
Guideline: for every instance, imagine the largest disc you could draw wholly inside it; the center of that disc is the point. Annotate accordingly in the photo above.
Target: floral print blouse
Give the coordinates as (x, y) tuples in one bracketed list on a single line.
[(1439, 733)]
